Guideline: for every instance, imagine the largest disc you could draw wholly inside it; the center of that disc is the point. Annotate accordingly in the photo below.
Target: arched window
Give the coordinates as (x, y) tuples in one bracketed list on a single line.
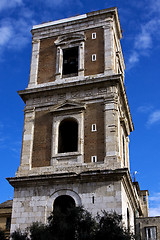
[(63, 203), (68, 136)]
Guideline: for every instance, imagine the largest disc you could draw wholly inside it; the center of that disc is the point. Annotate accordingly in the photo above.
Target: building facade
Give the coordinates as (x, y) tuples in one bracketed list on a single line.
[(148, 228), (77, 123), (5, 217)]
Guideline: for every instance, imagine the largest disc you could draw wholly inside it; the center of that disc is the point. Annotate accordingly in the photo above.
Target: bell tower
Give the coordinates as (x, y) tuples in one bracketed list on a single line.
[(77, 122)]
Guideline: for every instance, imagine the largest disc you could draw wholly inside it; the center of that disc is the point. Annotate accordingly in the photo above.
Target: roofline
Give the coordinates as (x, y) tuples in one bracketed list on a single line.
[(77, 18)]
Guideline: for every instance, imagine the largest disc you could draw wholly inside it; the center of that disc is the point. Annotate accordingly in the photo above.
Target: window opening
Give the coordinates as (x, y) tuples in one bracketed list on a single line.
[(93, 57), (93, 35), (128, 220), (63, 203), (93, 199), (68, 136), (151, 233), (8, 223), (124, 152), (94, 128), (94, 158), (70, 61)]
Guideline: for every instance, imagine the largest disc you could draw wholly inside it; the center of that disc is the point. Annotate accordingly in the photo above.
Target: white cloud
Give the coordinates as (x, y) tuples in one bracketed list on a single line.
[(154, 211), (6, 34), (15, 33), (155, 197), (143, 40), (133, 59), (154, 201), (145, 108), (149, 32), (155, 5), (6, 4), (154, 117)]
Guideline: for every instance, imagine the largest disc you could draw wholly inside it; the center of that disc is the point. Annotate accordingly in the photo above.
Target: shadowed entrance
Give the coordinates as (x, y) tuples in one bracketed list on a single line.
[(63, 203)]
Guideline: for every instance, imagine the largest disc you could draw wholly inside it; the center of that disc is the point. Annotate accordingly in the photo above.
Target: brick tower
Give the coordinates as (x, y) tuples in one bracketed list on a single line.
[(77, 123)]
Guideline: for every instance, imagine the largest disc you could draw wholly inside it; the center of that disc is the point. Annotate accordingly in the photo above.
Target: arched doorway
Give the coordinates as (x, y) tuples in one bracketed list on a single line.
[(63, 203), (68, 136)]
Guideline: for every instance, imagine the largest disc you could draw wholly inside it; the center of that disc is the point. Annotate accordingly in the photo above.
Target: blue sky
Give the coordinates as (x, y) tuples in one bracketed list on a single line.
[(140, 22)]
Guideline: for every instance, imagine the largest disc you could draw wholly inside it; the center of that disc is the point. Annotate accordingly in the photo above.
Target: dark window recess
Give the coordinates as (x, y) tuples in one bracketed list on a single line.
[(128, 220), (8, 223), (68, 136), (64, 202), (70, 61)]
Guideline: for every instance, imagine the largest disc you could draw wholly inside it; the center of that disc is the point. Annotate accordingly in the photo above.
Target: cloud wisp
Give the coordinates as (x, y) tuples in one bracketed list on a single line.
[(15, 32), (145, 108), (7, 4), (154, 118), (154, 201), (145, 39)]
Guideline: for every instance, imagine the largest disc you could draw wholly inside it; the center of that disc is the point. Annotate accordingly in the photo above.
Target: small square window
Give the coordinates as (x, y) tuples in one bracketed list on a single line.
[(94, 128), (94, 159), (93, 57), (94, 35)]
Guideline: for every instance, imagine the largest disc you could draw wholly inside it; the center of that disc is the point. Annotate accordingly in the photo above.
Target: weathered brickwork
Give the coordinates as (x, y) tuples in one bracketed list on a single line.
[(94, 46), (94, 140), (47, 61), (42, 139)]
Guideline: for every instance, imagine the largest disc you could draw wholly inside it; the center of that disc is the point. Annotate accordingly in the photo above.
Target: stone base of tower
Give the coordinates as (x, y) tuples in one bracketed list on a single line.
[(109, 190)]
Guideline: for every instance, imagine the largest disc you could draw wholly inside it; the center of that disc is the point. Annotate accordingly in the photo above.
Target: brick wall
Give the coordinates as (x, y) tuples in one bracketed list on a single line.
[(94, 141), (42, 139), (94, 46), (47, 61)]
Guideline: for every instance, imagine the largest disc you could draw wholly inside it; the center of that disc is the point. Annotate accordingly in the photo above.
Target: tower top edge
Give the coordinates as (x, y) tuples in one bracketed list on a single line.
[(112, 10)]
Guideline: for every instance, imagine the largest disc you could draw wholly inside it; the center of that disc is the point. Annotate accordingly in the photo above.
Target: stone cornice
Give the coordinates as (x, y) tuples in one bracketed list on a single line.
[(85, 81), (53, 28), (83, 177)]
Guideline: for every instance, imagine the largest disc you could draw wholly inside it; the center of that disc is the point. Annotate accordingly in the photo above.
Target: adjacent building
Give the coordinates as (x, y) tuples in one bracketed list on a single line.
[(5, 217)]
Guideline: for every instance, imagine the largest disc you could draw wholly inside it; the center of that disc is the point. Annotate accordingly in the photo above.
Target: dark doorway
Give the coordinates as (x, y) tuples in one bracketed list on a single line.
[(63, 203), (70, 61), (68, 136)]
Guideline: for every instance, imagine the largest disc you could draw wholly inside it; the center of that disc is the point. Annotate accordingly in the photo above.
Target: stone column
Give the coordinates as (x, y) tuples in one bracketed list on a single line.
[(111, 124), (27, 143), (34, 64), (108, 47)]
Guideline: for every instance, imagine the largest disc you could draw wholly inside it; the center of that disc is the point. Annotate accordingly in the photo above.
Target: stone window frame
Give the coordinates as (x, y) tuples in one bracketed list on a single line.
[(94, 127), (94, 57), (70, 157), (146, 233), (69, 41), (93, 159), (94, 36)]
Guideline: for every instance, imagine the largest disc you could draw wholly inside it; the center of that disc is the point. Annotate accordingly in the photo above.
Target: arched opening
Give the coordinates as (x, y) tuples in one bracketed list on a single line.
[(64, 203), (68, 136)]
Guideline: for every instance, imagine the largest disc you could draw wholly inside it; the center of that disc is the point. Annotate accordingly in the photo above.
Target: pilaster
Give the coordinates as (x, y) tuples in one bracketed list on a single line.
[(108, 47), (112, 158), (34, 63), (27, 142)]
